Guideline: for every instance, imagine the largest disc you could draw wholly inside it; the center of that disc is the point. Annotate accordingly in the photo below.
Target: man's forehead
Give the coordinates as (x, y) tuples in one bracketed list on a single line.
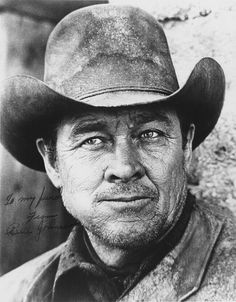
[(133, 114)]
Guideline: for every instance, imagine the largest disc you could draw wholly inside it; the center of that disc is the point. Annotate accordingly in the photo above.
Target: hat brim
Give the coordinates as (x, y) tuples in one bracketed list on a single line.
[(29, 107)]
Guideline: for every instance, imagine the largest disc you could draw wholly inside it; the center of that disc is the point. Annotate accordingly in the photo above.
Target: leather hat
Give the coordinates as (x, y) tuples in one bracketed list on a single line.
[(94, 57)]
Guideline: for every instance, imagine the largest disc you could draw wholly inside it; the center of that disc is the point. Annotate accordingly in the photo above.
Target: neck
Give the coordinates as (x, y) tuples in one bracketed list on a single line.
[(115, 257)]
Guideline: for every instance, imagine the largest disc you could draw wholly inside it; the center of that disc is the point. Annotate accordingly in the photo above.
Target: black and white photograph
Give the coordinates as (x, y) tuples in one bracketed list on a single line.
[(118, 151)]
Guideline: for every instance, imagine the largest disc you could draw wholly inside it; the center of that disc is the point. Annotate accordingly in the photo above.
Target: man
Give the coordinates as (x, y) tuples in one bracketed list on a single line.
[(115, 134)]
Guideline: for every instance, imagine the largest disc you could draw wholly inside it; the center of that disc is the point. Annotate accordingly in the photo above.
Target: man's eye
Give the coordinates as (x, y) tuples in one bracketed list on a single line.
[(94, 141), (149, 134)]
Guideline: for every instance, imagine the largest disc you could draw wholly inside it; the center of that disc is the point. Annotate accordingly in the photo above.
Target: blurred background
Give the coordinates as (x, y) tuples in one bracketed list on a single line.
[(32, 218)]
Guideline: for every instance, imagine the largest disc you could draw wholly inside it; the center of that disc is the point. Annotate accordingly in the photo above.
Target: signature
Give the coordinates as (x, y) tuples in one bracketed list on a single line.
[(32, 201), (41, 218), (42, 224), (17, 229)]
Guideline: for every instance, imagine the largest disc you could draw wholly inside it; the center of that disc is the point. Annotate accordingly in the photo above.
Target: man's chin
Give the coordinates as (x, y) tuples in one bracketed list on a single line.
[(127, 234)]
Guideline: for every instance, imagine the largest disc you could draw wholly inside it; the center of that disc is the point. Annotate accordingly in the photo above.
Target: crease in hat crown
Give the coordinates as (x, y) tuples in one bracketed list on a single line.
[(108, 48)]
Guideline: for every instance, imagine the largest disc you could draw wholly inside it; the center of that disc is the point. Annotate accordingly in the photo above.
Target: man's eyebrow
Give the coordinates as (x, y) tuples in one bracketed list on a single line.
[(82, 127), (146, 117)]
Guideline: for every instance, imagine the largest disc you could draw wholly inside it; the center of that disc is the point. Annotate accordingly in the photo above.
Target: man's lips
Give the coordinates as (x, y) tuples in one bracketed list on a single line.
[(126, 199), (124, 203)]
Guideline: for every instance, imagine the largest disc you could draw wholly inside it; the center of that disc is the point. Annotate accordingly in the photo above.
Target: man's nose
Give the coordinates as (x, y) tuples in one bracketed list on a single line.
[(125, 165)]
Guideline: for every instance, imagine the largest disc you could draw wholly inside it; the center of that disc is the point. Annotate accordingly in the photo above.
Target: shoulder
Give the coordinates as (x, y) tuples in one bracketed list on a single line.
[(227, 238), (219, 283), (15, 284)]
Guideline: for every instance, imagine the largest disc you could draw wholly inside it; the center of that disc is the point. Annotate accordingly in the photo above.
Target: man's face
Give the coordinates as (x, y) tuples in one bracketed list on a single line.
[(122, 173)]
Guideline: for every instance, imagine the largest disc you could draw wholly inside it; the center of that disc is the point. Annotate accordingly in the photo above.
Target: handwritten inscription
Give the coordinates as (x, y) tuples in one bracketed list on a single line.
[(17, 229), (31, 201), (34, 223), (42, 226)]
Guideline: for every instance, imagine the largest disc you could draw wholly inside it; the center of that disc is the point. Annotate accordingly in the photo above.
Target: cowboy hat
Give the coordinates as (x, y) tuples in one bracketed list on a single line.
[(95, 57)]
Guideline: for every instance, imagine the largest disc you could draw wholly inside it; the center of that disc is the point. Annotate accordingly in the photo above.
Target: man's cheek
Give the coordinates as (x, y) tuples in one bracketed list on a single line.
[(159, 172), (75, 185), (78, 178), (168, 178), (174, 181)]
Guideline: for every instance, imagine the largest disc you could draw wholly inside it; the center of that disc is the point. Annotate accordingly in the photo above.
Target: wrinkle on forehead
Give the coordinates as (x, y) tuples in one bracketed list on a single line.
[(137, 118), (132, 116)]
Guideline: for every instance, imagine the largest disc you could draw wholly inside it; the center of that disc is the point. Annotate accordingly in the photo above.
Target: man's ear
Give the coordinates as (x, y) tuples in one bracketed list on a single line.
[(188, 148), (50, 165)]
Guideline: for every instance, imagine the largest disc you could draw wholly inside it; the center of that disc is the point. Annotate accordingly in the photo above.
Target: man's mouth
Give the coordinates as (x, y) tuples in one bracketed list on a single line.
[(130, 203), (126, 199)]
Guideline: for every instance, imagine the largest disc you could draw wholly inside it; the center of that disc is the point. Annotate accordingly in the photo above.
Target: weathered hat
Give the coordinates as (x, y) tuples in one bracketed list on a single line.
[(92, 53)]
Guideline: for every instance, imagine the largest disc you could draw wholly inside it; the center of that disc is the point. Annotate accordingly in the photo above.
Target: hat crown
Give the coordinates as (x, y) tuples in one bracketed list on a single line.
[(107, 47)]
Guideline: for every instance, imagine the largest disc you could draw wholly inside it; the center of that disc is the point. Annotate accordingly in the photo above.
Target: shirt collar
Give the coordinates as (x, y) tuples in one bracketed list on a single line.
[(191, 256)]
